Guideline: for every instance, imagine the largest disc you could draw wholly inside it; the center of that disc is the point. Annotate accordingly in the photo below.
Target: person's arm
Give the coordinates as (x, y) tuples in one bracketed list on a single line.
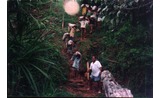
[(100, 67), (89, 68), (100, 70), (72, 58)]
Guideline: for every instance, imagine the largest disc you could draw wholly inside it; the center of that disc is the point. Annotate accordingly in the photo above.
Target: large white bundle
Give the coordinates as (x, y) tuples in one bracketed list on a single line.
[(80, 17), (70, 42), (71, 24), (65, 35), (112, 88)]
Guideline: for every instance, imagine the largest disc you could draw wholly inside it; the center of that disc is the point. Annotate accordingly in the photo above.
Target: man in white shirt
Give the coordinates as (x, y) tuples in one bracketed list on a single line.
[(96, 69)]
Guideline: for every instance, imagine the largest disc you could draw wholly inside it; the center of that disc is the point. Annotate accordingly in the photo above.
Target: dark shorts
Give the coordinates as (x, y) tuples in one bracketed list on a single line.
[(93, 78), (72, 38), (75, 69)]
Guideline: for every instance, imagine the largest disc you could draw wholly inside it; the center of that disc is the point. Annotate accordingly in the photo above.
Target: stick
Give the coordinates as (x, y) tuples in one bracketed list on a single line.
[(112, 61)]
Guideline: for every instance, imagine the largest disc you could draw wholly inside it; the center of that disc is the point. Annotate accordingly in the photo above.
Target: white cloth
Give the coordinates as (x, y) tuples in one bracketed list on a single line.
[(64, 35), (70, 42), (71, 24), (95, 67), (77, 52), (93, 16), (84, 23), (80, 18)]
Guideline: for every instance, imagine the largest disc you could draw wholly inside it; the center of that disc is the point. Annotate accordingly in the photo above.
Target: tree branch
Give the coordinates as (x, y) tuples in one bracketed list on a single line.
[(139, 6), (112, 61)]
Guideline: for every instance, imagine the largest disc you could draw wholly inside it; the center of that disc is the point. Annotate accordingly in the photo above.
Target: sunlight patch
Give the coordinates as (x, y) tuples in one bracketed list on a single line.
[(71, 7)]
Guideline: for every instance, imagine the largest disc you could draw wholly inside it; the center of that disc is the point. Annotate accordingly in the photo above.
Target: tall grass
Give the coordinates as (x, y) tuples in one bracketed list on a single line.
[(35, 66)]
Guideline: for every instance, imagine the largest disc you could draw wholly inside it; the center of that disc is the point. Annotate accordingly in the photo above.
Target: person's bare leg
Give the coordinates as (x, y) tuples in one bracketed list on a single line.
[(99, 87)]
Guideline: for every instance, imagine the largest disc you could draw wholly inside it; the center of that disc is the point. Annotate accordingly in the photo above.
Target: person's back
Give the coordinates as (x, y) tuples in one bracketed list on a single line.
[(76, 61), (70, 25), (72, 31), (83, 23)]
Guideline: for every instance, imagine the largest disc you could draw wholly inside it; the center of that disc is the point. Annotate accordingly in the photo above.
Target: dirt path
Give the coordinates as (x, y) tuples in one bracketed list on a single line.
[(78, 85)]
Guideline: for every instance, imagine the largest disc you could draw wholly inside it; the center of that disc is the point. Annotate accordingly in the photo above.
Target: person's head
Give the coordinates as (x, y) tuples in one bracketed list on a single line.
[(93, 58)]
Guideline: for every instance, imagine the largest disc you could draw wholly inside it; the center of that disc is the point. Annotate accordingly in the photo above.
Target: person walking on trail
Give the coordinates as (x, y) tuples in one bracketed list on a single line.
[(83, 22), (70, 25), (76, 58), (84, 8), (96, 69), (70, 45), (72, 32), (66, 37), (92, 22)]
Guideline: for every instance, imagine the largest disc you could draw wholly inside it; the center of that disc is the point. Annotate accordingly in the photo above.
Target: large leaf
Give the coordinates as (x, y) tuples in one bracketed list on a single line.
[(30, 79), (44, 73)]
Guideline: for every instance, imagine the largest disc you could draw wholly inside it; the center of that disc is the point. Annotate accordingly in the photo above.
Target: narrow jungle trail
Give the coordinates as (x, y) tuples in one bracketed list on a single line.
[(78, 85), (75, 85)]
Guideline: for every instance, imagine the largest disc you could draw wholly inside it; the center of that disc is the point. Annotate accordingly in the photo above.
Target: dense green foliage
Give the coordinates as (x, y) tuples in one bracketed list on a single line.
[(123, 44), (35, 66)]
